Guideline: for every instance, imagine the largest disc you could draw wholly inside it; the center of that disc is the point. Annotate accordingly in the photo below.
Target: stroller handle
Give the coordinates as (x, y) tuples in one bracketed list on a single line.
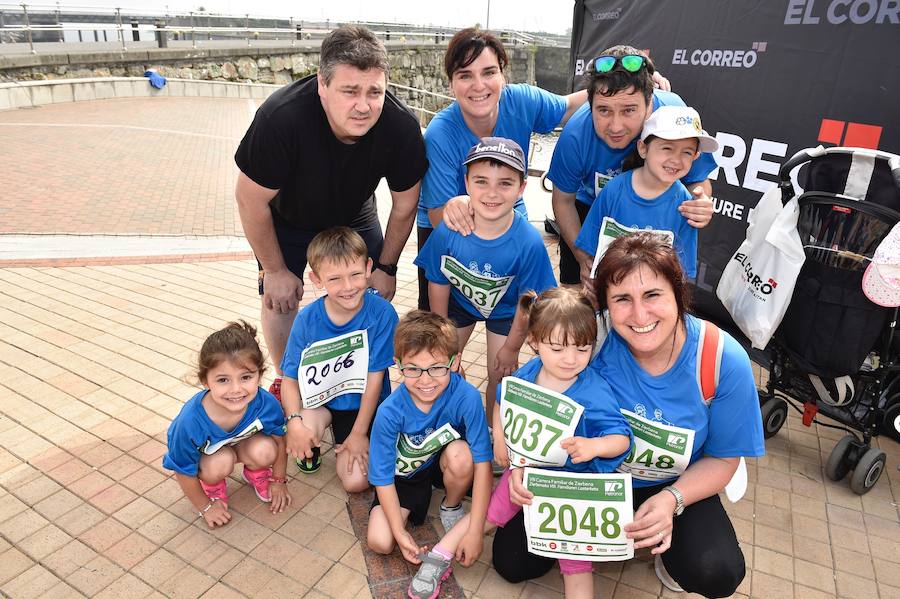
[(803, 156)]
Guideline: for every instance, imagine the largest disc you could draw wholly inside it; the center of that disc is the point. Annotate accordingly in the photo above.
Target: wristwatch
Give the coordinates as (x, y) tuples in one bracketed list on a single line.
[(388, 269), (679, 499)]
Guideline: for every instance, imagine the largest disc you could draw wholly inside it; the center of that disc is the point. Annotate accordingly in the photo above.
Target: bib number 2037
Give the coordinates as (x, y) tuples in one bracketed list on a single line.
[(517, 428), (567, 521)]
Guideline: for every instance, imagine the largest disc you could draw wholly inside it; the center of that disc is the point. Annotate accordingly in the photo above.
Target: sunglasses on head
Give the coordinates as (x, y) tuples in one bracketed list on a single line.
[(630, 62)]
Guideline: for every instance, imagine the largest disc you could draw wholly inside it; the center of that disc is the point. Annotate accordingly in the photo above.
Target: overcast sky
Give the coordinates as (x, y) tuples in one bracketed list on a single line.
[(532, 15)]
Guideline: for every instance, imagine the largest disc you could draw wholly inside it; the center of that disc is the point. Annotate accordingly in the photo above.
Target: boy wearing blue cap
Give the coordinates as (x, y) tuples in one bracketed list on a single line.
[(480, 277)]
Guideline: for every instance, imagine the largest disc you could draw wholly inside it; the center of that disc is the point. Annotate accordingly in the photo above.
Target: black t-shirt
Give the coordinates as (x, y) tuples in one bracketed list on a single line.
[(323, 182)]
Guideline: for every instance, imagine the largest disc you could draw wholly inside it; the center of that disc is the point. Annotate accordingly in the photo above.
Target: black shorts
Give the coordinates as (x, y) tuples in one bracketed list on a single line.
[(293, 242), (422, 235), (414, 491), (342, 422), (569, 269), (461, 318)]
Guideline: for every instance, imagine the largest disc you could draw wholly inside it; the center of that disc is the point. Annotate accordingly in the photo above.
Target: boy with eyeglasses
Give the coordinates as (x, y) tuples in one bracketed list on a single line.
[(598, 137), (431, 430)]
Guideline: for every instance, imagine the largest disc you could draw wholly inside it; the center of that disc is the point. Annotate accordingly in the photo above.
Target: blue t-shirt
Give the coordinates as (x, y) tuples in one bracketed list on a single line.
[(730, 427), (601, 414), (459, 405), (376, 316), (523, 110), (519, 253), (582, 163), (193, 434), (619, 201)]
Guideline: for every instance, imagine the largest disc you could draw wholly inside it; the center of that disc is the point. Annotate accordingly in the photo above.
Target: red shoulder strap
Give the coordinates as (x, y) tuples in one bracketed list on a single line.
[(709, 359)]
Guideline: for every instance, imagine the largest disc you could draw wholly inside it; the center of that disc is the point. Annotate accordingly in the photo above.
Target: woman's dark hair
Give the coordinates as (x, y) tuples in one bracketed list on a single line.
[(235, 343), (631, 252), (467, 45)]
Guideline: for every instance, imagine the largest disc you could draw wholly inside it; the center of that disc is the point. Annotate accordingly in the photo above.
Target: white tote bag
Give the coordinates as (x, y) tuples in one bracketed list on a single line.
[(758, 282)]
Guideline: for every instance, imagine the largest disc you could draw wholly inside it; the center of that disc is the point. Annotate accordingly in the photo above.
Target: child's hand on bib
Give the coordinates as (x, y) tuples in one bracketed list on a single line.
[(579, 449)]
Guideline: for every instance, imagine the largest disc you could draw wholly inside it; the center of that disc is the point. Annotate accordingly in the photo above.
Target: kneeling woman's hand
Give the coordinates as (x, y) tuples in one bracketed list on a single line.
[(652, 526)]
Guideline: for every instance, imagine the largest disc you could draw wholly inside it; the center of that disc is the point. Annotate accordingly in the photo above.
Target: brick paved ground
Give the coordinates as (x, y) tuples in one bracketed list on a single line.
[(91, 366)]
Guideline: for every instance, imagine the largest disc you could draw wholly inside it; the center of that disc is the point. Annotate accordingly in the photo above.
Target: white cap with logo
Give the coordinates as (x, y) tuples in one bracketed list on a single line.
[(678, 122)]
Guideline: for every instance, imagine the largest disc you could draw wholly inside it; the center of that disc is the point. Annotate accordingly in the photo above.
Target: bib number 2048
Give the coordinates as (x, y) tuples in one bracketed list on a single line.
[(566, 521), (514, 429), (663, 461)]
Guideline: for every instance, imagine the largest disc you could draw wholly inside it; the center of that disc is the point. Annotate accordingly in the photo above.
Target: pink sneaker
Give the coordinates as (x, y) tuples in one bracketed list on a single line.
[(217, 491), (259, 480)]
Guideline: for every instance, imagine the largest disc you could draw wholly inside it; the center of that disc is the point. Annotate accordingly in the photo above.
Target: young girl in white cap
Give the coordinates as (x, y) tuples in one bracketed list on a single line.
[(648, 195)]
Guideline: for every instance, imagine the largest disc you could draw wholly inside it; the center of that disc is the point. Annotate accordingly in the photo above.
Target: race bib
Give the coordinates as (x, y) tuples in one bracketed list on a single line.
[(333, 367), (535, 419), (600, 181), (659, 452), (412, 456), (578, 516), (610, 230), (251, 429), (482, 292)]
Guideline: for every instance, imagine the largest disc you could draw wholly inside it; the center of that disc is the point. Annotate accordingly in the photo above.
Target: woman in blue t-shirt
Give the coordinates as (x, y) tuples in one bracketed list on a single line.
[(688, 449), (484, 106)]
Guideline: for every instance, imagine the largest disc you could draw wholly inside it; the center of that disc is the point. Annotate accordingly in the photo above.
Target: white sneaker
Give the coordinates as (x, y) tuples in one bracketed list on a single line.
[(450, 516), (664, 577)]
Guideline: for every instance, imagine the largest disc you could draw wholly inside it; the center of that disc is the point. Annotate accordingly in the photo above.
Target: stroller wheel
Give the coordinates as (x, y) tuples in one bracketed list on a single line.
[(837, 466), (774, 414), (891, 422), (868, 471)]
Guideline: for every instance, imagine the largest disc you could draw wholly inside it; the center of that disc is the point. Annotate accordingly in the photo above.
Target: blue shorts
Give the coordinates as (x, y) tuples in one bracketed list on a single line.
[(462, 318)]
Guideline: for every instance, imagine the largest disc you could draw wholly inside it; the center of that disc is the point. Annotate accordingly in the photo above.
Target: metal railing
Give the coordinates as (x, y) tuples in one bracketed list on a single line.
[(23, 20)]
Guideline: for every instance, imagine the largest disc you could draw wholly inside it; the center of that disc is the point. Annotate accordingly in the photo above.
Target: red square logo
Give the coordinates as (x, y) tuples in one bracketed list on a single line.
[(831, 132), (862, 136)]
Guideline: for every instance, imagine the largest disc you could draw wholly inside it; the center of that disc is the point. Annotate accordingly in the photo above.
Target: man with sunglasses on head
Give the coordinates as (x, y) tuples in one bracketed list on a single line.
[(596, 140)]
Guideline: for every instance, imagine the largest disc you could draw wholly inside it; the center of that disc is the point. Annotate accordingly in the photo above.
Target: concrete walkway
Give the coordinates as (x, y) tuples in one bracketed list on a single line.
[(93, 361)]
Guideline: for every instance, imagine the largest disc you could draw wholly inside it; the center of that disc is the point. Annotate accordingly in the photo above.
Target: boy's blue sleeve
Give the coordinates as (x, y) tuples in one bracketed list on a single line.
[(566, 163), (429, 258), (700, 170), (381, 339), (472, 413), (588, 237), (383, 444), (290, 362), (182, 455), (686, 239), (537, 272)]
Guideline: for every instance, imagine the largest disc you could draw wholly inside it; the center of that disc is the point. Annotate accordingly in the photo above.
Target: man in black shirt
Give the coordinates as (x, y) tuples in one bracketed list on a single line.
[(311, 160)]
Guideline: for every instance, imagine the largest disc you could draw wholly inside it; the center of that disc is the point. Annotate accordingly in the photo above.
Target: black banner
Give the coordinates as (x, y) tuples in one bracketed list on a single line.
[(769, 78)]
